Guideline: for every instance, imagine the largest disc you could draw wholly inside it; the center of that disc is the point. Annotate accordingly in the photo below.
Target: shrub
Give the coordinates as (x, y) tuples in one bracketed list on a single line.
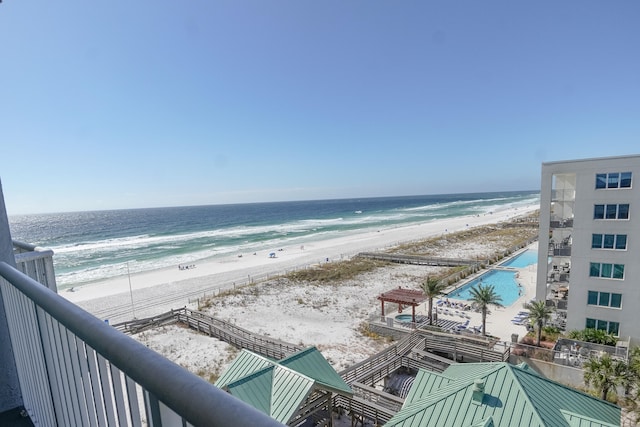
[(593, 335), (335, 271)]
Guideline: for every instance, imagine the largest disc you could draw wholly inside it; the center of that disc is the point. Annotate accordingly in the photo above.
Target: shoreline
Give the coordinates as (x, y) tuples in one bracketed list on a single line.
[(170, 287)]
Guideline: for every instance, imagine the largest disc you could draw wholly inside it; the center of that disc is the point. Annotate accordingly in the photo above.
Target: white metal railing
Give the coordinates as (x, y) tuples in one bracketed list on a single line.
[(36, 263), (75, 369)]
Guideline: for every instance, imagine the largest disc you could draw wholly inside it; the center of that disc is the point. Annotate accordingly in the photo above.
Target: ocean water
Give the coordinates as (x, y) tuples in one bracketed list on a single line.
[(95, 245)]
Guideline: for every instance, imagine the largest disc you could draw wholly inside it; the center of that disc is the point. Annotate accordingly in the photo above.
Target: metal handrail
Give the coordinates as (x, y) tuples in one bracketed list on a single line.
[(192, 398)]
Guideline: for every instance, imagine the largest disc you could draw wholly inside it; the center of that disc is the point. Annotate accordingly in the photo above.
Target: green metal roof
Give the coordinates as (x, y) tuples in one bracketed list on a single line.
[(245, 364), (513, 396), (312, 363), (280, 388)]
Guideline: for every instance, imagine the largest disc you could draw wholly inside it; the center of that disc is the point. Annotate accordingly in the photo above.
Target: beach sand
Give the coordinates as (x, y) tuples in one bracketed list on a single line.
[(329, 317), (209, 275)]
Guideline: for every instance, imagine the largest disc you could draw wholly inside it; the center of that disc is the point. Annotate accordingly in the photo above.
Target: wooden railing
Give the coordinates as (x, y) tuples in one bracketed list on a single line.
[(412, 351), (419, 260), (221, 329)]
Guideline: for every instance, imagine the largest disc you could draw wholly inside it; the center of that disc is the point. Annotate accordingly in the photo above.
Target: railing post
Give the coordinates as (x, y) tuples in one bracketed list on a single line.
[(10, 393)]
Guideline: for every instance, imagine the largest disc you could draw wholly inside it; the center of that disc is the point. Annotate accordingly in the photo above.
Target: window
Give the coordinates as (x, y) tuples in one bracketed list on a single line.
[(598, 212), (604, 299), (618, 271), (607, 271), (611, 327), (616, 300), (609, 241), (613, 180), (611, 211), (623, 211)]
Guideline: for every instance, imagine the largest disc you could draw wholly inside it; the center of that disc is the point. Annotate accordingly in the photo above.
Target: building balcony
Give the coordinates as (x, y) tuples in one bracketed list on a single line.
[(561, 223), (69, 368), (563, 195), (559, 249)]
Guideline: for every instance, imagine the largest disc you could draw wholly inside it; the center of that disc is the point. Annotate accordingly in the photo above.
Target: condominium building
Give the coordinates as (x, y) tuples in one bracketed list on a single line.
[(590, 223)]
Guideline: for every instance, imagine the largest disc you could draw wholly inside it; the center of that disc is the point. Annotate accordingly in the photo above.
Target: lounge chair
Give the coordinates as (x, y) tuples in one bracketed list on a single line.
[(462, 326)]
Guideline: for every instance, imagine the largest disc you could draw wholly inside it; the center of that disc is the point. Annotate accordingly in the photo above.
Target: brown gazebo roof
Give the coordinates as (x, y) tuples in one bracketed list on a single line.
[(403, 296)]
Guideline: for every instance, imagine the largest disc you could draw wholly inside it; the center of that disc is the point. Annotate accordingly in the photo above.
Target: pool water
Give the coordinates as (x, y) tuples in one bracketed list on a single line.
[(525, 259), (503, 281), (404, 318)]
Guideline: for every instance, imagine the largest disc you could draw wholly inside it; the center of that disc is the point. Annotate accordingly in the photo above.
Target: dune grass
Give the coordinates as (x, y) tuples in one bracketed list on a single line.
[(332, 272)]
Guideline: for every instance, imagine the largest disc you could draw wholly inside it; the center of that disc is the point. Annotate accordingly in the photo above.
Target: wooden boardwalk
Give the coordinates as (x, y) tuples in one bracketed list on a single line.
[(420, 260), (217, 328), (413, 351)]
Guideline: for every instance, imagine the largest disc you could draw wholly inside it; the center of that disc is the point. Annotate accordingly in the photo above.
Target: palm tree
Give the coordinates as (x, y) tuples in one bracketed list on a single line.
[(633, 398), (626, 375), (602, 374), (539, 314), (432, 288), (484, 296)]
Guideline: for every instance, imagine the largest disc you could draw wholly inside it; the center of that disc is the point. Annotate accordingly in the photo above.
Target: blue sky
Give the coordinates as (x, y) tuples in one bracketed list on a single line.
[(121, 104)]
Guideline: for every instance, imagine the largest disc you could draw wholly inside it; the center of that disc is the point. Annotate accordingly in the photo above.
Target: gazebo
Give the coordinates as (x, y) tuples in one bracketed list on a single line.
[(403, 297)]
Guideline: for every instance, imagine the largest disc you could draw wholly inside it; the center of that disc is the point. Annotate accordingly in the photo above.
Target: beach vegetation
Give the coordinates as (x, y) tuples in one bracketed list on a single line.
[(207, 374), (539, 315), (232, 353), (483, 296), (365, 330), (489, 237), (596, 336), (550, 334), (603, 374), (332, 272)]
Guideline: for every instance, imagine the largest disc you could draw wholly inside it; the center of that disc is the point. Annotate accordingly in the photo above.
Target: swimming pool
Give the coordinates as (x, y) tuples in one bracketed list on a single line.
[(404, 318), (503, 281), (525, 259)]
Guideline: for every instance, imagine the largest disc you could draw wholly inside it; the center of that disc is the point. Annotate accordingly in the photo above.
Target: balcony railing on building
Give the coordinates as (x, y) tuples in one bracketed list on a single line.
[(75, 370), (563, 195), (561, 223), (559, 249)]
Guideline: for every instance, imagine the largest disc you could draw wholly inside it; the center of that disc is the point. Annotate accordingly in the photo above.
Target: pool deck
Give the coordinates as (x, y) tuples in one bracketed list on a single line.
[(499, 319)]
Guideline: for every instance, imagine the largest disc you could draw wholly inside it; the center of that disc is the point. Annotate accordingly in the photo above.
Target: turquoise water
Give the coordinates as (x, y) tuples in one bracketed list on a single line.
[(503, 281), (404, 318), (525, 259), (96, 245)]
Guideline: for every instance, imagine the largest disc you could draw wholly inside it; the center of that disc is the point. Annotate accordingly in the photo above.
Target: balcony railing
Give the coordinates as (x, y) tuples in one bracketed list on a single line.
[(36, 263), (74, 369), (559, 249), (561, 223), (563, 195)]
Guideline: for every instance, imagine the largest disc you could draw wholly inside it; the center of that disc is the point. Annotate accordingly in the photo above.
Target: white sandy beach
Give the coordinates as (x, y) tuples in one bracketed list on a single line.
[(172, 287), (326, 316)]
